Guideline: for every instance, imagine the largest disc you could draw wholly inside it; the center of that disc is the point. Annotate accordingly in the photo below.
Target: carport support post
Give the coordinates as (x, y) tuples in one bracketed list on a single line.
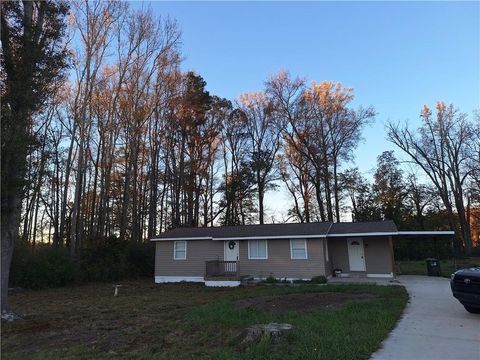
[(453, 253), (390, 240)]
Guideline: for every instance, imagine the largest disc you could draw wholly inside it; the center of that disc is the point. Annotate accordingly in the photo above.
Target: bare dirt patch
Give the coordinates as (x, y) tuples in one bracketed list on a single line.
[(301, 303)]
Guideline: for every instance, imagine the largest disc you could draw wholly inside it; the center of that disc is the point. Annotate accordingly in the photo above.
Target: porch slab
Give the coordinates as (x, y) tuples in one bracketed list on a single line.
[(222, 283), (364, 280)]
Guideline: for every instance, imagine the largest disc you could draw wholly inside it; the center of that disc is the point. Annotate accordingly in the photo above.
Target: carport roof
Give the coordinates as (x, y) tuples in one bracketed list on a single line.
[(292, 230), (425, 235)]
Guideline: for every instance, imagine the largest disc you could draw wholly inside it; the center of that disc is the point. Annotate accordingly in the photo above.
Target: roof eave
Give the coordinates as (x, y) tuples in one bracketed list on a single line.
[(414, 233), (377, 233), (183, 238), (309, 236), (272, 237)]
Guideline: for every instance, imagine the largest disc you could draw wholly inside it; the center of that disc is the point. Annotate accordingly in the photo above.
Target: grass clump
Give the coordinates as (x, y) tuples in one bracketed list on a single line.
[(321, 279)]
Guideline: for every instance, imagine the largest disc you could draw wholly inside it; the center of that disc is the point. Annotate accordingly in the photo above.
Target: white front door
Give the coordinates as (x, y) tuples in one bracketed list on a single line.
[(231, 253), (356, 254), (231, 250)]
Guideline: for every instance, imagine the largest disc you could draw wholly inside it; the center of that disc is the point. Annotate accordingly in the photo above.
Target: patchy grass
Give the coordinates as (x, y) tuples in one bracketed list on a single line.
[(189, 321), (447, 267)]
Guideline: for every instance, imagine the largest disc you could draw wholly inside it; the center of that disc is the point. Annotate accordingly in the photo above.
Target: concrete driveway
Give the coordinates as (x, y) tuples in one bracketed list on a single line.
[(434, 325)]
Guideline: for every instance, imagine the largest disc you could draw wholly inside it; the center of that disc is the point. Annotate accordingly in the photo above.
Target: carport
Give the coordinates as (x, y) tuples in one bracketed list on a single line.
[(416, 246), (372, 251)]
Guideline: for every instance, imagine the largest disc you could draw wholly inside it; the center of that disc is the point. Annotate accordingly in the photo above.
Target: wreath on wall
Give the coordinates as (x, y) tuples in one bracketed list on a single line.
[(231, 244)]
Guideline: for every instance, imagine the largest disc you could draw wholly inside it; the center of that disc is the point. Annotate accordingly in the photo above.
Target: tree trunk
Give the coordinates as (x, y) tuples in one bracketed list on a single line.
[(68, 167), (126, 198), (135, 216), (179, 180), (56, 220), (91, 230), (335, 191), (328, 195), (9, 231), (14, 158), (260, 202), (76, 211), (306, 197), (103, 210), (318, 194), (35, 217)]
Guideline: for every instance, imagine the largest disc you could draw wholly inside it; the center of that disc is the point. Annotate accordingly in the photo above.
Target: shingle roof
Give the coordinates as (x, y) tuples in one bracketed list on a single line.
[(320, 229), (362, 227), (274, 230)]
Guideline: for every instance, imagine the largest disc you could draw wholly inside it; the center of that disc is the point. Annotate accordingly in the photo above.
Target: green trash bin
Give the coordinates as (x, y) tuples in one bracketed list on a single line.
[(433, 267)]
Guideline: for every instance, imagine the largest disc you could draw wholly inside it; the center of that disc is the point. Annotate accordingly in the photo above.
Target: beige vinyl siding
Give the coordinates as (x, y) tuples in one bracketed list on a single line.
[(198, 251), (378, 255), (378, 258), (280, 265), (338, 255)]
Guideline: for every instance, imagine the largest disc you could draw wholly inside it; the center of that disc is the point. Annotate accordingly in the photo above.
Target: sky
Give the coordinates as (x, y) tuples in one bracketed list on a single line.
[(397, 56)]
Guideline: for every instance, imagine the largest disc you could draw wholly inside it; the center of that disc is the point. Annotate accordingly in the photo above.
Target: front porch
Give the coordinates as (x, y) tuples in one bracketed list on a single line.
[(222, 273), (361, 277)]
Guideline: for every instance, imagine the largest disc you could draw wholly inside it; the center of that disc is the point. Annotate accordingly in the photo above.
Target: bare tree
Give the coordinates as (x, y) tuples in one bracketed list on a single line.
[(294, 170), (325, 130), (95, 22), (238, 178), (264, 139), (441, 147), (421, 196)]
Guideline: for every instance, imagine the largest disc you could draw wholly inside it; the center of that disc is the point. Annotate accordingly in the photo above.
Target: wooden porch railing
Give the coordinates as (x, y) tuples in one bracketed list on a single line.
[(218, 268)]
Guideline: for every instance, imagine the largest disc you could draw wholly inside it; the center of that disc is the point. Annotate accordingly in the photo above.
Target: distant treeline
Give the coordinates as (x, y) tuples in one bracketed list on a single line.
[(108, 260)]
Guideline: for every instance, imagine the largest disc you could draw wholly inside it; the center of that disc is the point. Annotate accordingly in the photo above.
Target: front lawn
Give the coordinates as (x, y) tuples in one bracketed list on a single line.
[(189, 321)]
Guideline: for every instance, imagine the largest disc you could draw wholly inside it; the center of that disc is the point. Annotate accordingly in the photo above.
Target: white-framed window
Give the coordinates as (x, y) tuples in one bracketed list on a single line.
[(179, 250), (298, 249), (257, 249)]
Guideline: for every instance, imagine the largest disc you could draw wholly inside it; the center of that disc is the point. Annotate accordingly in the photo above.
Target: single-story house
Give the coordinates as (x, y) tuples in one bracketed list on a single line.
[(221, 256)]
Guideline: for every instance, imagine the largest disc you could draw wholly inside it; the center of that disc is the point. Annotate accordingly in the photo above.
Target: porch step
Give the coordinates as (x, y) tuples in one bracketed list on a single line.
[(245, 280), (220, 278), (354, 275), (358, 275)]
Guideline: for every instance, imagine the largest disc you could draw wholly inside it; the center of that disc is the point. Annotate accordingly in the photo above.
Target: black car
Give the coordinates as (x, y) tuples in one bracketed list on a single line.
[(465, 284)]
